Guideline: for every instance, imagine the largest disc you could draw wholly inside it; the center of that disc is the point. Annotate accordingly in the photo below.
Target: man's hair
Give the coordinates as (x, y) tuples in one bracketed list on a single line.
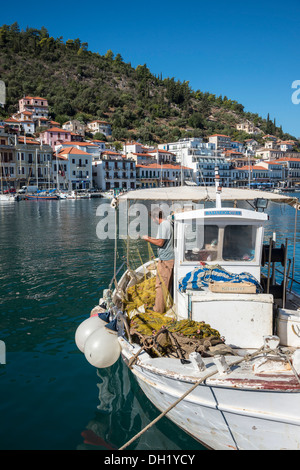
[(157, 213)]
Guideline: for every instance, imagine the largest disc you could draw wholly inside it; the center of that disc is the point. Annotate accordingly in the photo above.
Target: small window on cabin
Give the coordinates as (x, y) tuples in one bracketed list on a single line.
[(239, 243), (201, 242)]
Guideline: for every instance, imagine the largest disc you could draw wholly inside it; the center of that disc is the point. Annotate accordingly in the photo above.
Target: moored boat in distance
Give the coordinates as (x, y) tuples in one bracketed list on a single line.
[(42, 195), (7, 198), (239, 387)]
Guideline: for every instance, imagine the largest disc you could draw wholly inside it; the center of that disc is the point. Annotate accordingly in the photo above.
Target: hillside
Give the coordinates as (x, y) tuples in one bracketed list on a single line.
[(85, 85)]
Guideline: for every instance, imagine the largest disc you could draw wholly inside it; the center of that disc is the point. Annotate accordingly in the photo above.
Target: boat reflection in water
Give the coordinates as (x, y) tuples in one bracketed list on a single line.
[(122, 403)]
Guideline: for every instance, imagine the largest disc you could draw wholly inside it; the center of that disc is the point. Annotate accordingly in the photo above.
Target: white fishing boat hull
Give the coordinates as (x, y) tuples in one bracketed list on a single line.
[(239, 412)]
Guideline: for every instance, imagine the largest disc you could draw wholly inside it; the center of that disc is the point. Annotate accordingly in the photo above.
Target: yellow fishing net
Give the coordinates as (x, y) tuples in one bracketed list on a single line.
[(141, 294), (149, 323)]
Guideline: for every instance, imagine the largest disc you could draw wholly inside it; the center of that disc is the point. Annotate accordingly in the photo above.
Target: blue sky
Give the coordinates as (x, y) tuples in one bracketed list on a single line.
[(248, 51)]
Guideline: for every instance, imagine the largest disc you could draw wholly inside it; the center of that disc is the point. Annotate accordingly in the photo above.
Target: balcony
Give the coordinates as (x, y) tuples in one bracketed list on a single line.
[(78, 176)]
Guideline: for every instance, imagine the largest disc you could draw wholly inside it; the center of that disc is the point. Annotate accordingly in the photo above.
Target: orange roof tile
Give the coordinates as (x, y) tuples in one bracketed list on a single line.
[(73, 151), (164, 166), (57, 129)]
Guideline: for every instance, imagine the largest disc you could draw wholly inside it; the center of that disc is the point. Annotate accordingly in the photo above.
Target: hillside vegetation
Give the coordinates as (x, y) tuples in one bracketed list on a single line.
[(85, 85)]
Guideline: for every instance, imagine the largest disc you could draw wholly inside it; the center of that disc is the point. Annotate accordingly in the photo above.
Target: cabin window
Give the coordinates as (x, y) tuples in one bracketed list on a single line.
[(201, 242), (239, 243), (210, 242)]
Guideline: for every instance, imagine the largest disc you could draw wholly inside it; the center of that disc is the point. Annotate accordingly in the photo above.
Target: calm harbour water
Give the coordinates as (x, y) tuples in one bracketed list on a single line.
[(53, 270)]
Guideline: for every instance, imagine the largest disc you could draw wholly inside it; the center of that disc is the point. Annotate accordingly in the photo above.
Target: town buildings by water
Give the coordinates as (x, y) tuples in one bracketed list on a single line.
[(34, 150)]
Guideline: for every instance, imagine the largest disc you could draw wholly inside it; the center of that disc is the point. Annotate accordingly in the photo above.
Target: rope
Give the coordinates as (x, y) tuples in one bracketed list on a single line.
[(294, 250), (207, 376)]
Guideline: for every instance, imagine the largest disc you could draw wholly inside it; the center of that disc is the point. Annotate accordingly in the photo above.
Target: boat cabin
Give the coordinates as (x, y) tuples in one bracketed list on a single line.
[(231, 238)]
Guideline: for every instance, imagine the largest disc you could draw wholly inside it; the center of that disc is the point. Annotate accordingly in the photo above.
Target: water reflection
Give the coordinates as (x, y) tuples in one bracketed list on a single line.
[(123, 411)]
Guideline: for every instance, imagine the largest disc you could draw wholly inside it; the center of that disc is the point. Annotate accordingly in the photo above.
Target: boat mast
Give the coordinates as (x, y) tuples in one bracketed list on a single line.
[(36, 169), (218, 188), (1, 172)]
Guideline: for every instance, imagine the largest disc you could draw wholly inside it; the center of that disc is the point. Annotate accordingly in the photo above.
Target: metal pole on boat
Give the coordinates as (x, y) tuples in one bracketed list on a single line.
[(284, 275), (36, 168), (269, 264), (218, 188), (294, 249)]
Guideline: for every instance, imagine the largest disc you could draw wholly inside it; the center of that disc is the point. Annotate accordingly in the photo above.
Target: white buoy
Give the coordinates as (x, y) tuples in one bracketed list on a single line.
[(85, 329), (102, 348)]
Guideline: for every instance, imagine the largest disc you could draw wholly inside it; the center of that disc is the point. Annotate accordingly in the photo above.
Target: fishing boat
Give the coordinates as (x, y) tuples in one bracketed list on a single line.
[(243, 391), (42, 196), (7, 198)]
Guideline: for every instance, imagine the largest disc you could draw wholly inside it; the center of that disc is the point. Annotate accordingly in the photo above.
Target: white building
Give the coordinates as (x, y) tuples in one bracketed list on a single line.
[(221, 141), (269, 153), (114, 171), (202, 158), (164, 175), (33, 163), (185, 147), (72, 169), (103, 127)]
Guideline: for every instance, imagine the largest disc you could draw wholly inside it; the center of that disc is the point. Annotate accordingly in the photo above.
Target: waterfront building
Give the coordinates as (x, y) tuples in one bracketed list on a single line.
[(202, 158), (55, 136), (35, 105), (114, 171), (7, 160), (72, 169), (162, 156), (33, 164), (221, 141), (184, 148), (290, 170), (103, 127), (242, 160), (142, 158), (164, 174), (205, 170), (252, 175)]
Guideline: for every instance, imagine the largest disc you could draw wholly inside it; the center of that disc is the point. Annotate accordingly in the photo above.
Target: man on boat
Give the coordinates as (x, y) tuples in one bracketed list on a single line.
[(165, 266)]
